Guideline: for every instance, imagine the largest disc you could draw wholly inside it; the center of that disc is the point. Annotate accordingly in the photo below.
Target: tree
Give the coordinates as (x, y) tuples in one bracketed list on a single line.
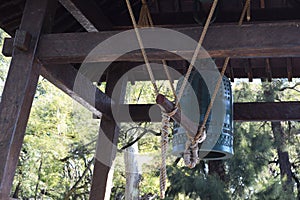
[(58, 150), (254, 171)]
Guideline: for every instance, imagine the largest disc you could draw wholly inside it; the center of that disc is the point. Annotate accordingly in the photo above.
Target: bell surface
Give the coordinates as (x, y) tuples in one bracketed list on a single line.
[(194, 102)]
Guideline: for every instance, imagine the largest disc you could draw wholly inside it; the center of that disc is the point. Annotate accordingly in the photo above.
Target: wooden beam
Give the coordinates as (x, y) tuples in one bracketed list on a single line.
[(18, 94), (231, 72), (67, 78), (268, 69), (88, 14), (72, 8), (262, 4), (289, 69), (254, 111), (267, 111), (107, 140), (247, 41), (248, 70)]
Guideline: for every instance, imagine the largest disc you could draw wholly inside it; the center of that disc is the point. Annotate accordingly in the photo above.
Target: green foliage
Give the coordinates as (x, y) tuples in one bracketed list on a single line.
[(273, 190), (194, 183), (54, 155)]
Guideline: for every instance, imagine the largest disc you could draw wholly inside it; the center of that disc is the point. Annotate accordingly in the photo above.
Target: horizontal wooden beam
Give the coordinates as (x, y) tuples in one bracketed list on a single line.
[(267, 111), (254, 111), (78, 87), (247, 41)]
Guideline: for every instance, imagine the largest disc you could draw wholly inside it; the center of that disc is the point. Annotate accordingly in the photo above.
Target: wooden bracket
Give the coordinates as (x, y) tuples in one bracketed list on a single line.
[(248, 70), (7, 47), (290, 69), (268, 70), (22, 40), (230, 72)]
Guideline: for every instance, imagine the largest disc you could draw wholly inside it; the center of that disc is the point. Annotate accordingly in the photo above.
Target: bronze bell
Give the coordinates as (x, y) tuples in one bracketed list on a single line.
[(196, 96)]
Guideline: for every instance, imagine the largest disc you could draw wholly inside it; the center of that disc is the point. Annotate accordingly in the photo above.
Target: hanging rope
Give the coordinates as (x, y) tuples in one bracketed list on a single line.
[(192, 145), (149, 69), (145, 20), (191, 157), (164, 147), (245, 10), (196, 52), (191, 153), (199, 136)]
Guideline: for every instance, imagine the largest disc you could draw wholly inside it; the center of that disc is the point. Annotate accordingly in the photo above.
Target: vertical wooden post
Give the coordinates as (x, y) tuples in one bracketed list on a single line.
[(19, 91), (107, 140)]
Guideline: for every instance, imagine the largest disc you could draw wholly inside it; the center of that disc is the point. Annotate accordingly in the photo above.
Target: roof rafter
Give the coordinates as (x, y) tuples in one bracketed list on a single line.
[(88, 14)]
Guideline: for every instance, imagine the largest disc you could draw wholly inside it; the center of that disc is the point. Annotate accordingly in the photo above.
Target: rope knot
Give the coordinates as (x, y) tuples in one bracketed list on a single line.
[(173, 112), (201, 135), (191, 153)]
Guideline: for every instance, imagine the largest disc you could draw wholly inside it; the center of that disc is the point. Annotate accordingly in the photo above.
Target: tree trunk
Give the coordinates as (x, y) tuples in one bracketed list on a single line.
[(279, 140), (39, 178), (283, 157), (17, 190), (216, 167), (132, 173)]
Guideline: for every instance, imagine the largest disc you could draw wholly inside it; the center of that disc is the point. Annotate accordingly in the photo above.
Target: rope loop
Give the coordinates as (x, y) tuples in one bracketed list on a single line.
[(190, 155), (201, 135), (173, 112)]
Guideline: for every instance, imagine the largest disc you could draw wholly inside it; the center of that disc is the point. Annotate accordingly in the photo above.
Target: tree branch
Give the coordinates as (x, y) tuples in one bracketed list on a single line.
[(74, 187), (145, 131), (290, 87)]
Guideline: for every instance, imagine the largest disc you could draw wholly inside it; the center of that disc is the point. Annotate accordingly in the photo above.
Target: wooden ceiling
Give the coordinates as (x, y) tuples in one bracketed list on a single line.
[(114, 15), (107, 15)]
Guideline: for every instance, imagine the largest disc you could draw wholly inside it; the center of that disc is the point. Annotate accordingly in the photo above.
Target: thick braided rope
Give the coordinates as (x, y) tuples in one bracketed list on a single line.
[(164, 147), (145, 20)]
